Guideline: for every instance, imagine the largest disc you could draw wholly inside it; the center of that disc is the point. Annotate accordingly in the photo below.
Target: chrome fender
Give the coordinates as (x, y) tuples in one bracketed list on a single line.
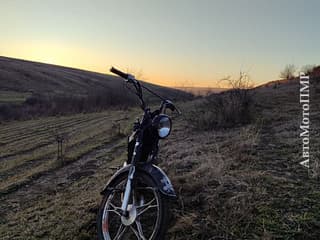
[(161, 180)]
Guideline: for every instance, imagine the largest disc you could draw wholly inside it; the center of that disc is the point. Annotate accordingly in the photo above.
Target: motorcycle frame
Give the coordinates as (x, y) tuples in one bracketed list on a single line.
[(136, 166)]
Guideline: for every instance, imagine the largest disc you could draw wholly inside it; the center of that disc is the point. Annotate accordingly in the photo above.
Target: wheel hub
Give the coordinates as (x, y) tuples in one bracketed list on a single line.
[(132, 215)]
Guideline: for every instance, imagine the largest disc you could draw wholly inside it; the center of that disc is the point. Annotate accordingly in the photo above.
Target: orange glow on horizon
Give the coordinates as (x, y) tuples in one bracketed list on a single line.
[(52, 56), (88, 59)]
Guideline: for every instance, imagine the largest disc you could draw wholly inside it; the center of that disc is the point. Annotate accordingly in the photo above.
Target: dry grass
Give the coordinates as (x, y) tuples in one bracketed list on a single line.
[(42, 199), (246, 183), (212, 198)]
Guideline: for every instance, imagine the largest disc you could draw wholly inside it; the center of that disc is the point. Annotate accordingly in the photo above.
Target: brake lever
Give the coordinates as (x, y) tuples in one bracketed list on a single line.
[(177, 110), (172, 107)]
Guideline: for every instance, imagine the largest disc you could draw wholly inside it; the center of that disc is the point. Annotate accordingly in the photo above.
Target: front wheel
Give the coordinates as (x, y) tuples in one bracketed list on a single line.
[(148, 211)]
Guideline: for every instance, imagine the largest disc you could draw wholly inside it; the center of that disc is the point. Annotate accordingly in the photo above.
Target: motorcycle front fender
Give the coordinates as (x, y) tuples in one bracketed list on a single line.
[(159, 177)]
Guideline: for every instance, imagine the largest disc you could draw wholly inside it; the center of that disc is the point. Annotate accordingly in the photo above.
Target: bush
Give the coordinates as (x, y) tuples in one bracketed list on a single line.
[(227, 109), (224, 110)]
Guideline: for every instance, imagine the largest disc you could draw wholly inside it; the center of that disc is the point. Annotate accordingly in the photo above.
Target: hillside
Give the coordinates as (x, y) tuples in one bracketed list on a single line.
[(201, 91), (29, 89), (33, 77)]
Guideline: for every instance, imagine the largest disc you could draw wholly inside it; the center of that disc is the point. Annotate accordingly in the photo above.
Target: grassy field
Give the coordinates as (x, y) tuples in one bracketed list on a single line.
[(240, 183), (33, 178)]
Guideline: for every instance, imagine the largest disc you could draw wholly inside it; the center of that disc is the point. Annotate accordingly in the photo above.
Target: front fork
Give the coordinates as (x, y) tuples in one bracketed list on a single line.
[(127, 192)]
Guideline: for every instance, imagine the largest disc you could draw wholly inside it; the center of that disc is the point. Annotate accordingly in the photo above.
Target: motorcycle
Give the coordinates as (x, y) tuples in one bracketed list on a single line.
[(136, 199)]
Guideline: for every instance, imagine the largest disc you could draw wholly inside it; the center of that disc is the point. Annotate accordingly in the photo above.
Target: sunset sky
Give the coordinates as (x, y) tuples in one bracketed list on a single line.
[(174, 43)]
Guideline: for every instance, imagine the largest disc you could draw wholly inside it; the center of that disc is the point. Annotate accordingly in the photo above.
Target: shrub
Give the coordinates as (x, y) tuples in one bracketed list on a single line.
[(231, 108)]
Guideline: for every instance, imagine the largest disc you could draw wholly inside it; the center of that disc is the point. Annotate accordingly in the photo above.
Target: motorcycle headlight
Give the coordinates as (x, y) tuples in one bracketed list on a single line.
[(163, 124)]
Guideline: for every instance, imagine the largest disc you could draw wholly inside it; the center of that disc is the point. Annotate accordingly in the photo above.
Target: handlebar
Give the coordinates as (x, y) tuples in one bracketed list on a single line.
[(119, 73), (130, 78)]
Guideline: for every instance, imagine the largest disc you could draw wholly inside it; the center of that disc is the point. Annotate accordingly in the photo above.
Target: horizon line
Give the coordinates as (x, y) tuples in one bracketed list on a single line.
[(106, 73)]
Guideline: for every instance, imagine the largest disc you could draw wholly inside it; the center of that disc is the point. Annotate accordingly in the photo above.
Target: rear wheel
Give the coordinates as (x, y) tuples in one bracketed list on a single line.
[(148, 211)]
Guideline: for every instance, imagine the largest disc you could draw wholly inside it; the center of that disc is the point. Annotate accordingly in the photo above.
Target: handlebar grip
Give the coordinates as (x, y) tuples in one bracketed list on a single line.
[(119, 73)]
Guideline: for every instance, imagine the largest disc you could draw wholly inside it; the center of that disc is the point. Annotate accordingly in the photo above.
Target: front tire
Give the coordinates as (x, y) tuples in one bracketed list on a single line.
[(148, 211)]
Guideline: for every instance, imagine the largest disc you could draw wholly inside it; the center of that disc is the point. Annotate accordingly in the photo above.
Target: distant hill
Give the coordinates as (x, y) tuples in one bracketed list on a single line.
[(33, 77), (314, 74), (202, 91), (29, 89)]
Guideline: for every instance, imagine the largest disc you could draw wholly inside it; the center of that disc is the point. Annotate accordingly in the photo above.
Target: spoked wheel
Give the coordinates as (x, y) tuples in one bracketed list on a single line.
[(147, 217)]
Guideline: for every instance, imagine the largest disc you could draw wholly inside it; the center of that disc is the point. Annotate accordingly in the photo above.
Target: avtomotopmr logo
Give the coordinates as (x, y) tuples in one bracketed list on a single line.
[(305, 122)]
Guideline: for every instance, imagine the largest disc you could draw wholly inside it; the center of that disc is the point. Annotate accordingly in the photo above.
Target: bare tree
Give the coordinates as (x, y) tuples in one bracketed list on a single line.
[(288, 72), (242, 82)]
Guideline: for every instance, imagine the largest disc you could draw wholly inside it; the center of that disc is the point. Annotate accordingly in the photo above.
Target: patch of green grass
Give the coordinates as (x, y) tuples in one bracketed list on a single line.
[(13, 97)]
